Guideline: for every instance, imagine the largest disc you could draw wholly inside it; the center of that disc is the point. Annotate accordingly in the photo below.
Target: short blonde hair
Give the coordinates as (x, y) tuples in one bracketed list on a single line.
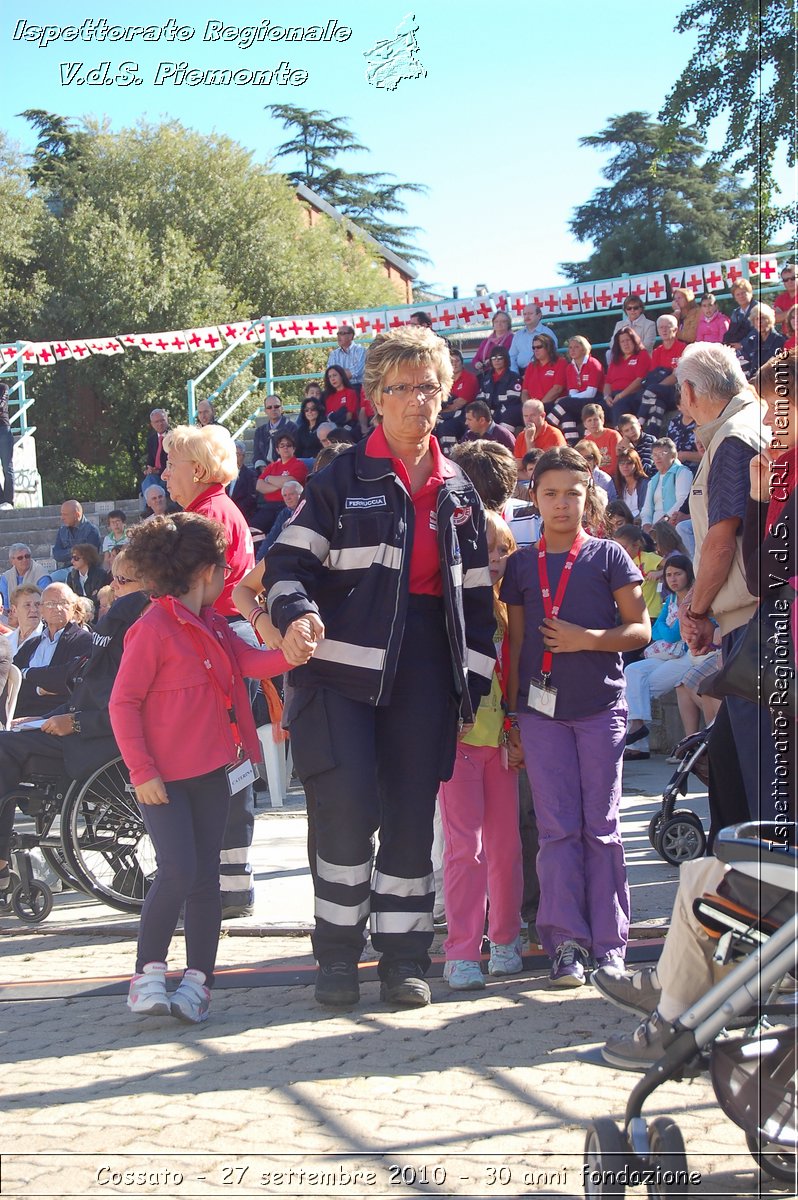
[(743, 285), (763, 310), (411, 346), (582, 342), (211, 447)]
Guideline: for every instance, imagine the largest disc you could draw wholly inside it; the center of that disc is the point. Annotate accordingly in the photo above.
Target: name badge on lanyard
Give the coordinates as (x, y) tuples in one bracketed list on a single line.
[(239, 775), (542, 696)]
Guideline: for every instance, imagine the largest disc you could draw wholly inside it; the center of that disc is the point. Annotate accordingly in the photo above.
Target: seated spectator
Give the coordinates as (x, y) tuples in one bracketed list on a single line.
[(105, 598), (633, 438), (616, 516), (75, 529), (713, 325), (206, 414), (84, 611), (537, 434), (669, 486), (692, 705), (521, 353), (584, 380), (545, 377), (87, 576), (341, 401), (629, 364), (157, 501), (659, 385), (664, 662), (480, 425), (633, 540), (667, 543), (607, 440), (791, 328), (682, 434), (786, 299), (687, 313), (42, 660), (500, 339), (325, 430), (465, 388), (631, 482), (634, 318), (349, 356), (117, 533), (271, 480), (500, 388), (291, 493), (242, 489), (592, 455), (23, 570), (421, 318), (312, 390), (26, 616), (311, 416), (762, 342), (155, 461), (492, 470), (740, 325), (263, 448)]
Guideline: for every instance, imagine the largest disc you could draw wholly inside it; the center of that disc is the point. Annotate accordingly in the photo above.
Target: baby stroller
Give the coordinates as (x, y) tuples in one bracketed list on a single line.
[(677, 835), (753, 1072)]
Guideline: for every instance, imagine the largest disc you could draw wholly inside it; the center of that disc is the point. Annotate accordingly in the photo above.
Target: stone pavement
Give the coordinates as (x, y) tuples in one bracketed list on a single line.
[(478, 1095)]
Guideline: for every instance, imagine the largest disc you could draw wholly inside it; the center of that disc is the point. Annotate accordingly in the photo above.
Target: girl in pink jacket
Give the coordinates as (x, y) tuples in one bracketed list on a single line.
[(182, 719)]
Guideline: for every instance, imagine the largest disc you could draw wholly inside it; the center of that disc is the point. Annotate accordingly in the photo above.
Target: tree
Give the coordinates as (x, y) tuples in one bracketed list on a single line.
[(745, 66), (664, 205), (22, 284), (367, 199)]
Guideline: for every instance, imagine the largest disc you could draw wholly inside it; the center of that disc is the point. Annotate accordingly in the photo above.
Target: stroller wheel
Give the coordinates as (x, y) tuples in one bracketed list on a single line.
[(605, 1158), (654, 826), (681, 838), (774, 1160), (666, 1151)]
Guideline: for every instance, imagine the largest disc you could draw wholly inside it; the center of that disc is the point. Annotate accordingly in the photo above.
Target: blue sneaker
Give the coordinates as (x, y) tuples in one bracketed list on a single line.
[(505, 959)]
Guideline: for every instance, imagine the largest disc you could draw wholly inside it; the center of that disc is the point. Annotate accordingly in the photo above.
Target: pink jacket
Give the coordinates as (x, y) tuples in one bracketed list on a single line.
[(714, 329), (168, 716)]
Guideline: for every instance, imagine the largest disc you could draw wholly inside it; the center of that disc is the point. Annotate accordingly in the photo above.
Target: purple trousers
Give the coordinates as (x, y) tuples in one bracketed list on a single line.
[(574, 769)]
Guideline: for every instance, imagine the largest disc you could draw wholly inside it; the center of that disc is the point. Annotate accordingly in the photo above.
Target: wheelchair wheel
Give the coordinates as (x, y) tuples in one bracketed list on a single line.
[(33, 906), (775, 1161), (105, 843), (666, 1151), (56, 859), (681, 838), (605, 1157)]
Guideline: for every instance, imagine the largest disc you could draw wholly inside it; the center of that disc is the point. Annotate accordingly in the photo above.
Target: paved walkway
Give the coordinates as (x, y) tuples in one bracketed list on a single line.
[(478, 1095)]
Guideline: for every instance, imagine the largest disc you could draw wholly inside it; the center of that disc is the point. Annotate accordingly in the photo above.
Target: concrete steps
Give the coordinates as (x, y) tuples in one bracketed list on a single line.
[(38, 526)]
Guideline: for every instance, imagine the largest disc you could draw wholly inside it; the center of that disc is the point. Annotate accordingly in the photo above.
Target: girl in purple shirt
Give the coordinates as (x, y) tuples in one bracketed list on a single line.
[(568, 713)]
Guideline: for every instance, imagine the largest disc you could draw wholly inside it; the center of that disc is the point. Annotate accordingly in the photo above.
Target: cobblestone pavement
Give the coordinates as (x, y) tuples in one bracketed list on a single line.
[(478, 1095)]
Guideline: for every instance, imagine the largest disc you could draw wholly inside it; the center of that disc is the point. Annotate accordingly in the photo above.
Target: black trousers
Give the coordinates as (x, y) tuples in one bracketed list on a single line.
[(372, 769), (17, 750)]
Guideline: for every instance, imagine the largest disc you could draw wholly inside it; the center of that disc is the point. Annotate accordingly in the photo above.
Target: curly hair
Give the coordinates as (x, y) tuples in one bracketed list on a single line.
[(166, 553), (408, 346), (90, 554)]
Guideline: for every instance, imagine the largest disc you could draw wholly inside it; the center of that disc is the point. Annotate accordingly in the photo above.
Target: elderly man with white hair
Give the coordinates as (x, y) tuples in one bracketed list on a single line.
[(728, 419), (659, 385), (23, 569)]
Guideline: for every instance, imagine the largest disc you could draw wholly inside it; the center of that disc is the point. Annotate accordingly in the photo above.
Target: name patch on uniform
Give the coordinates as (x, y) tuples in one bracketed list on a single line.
[(462, 514), (366, 502)]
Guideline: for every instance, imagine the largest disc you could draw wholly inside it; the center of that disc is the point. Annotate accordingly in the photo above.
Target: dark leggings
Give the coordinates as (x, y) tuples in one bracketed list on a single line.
[(187, 834)]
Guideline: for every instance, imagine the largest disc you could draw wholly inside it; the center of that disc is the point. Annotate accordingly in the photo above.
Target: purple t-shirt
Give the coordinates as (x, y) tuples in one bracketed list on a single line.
[(589, 680)]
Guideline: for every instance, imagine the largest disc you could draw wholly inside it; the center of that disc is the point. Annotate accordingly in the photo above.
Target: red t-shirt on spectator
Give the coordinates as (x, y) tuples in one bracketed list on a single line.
[(607, 442), (590, 374), (621, 374), (540, 378), (293, 469), (465, 387), (345, 398), (783, 302), (548, 437), (660, 357)]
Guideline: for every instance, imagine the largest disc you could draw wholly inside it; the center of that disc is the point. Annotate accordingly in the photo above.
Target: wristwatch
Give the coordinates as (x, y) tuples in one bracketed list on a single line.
[(75, 722)]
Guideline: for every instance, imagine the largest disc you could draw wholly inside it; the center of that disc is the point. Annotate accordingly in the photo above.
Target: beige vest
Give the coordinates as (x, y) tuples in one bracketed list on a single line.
[(733, 605), (34, 572)]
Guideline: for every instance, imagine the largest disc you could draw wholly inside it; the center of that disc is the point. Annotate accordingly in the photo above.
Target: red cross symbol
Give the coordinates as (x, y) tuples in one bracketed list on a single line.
[(395, 322), (179, 343), (587, 300), (212, 340), (501, 302), (603, 297), (551, 302), (446, 318), (733, 273), (60, 350), (483, 309), (10, 352), (465, 313), (675, 281), (620, 294), (639, 289), (28, 354), (656, 289), (45, 355), (713, 279), (362, 325), (80, 350), (377, 325), (295, 329), (96, 347), (280, 330), (570, 301), (113, 345), (130, 338), (695, 281), (161, 344), (767, 269), (260, 330), (230, 331), (329, 327), (194, 340), (312, 327), (145, 342), (518, 306)]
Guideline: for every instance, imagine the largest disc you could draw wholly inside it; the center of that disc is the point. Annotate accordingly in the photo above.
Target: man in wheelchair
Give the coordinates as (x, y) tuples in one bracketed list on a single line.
[(76, 737)]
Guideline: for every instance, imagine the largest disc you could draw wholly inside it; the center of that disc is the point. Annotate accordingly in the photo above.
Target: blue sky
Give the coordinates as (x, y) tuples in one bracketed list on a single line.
[(492, 129)]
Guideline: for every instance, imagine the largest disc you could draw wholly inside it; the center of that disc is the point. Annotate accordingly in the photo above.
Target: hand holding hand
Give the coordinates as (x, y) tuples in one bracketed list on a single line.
[(152, 792), (301, 638)]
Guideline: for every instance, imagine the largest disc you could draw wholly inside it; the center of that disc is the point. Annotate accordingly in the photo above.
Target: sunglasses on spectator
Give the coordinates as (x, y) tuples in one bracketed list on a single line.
[(20, 556), (268, 407), (123, 579)]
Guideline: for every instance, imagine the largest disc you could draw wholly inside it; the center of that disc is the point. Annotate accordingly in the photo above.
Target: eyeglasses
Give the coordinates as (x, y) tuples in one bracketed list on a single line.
[(428, 390), (269, 407), (788, 278), (537, 346), (501, 356), (76, 558), (19, 557), (634, 308)]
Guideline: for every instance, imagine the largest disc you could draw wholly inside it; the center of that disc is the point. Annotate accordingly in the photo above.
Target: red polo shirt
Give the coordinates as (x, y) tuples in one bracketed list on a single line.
[(215, 504), (293, 469), (590, 374), (540, 378), (425, 567), (660, 357), (620, 374)]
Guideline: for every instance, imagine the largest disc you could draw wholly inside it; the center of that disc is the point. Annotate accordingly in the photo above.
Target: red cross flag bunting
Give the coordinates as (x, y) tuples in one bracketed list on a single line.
[(445, 315), (603, 295), (362, 323), (500, 301), (569, 299), (733, 269), (232, 333), (713, 277), (516, 303), (278, 332), (197, 339), (694, 279), (657, 288), (587, 297), (466, 312), (551, 302), (538, 298), (484, 310), (675, 277), (620, 290), (767, 269), (108, 346), (396, 317), (639, 287)]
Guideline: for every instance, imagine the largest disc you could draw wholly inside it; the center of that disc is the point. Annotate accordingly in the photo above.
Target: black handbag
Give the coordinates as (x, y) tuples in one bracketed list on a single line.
[(761, 668)]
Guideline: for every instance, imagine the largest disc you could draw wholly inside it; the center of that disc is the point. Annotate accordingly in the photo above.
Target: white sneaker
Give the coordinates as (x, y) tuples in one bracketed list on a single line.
[(463, 975), (192, 999), (505, 959), (147, 996)]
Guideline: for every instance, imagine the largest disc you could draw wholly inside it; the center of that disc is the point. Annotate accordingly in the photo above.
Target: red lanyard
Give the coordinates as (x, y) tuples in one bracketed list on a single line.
[(549, 608)]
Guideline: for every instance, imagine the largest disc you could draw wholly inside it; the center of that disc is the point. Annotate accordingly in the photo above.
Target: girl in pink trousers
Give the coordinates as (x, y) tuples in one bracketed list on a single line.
[(479, 810)]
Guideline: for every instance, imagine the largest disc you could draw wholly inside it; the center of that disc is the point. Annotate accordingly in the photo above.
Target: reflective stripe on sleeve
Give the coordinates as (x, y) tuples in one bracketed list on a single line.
[(302, 538), (480, 664), (372, 658), (355, 558)]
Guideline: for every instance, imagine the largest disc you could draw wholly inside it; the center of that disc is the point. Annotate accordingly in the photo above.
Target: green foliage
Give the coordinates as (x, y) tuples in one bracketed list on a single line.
[(367, 199), (745, 67), (154, 228), (663, 205)]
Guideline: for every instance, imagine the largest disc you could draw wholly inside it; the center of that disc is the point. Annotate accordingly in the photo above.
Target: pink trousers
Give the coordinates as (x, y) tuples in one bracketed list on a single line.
[(479, 809)]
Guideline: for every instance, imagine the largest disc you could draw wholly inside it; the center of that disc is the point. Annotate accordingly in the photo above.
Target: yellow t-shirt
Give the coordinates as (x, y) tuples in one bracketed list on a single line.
[(648, 561)]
